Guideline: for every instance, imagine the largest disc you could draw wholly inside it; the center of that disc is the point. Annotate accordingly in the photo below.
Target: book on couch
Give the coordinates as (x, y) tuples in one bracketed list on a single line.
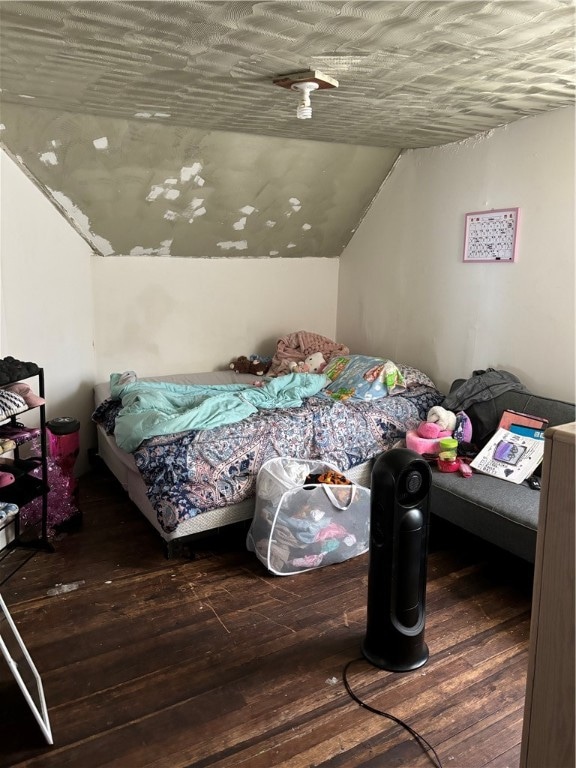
[(511, 419), (515, 450)]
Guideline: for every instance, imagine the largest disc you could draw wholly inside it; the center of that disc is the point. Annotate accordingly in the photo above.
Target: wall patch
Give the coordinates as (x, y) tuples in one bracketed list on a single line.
[(49, 158), (239, 245)]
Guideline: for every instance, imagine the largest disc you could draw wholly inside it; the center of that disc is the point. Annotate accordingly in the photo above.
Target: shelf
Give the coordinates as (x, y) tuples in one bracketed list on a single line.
[(27, 487), (23, 490)]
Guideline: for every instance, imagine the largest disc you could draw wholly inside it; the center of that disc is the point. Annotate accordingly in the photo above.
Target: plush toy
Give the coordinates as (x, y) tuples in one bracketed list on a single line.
[(314, 363), (258, 367), (445, 419), (463, 428), (433, 431), (240, 364), (254, 365), (426, 437)]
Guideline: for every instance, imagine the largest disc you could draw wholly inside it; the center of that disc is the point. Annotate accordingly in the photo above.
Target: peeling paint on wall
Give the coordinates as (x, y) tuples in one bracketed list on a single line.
[(82, 223), (49, 158), (155, 192), (163, 250), (188, 172), (239, 245), (295, 203), (101, 143)]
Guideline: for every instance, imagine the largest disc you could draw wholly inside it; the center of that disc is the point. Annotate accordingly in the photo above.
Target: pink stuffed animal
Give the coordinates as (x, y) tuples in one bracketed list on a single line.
[(426, 438)]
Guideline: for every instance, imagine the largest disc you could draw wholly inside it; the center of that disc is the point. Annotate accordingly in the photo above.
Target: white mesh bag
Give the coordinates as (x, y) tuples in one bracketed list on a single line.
[(299, 527)]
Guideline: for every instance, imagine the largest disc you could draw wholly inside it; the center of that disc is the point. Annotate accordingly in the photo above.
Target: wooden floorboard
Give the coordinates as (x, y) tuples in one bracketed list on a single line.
[(211, 662)]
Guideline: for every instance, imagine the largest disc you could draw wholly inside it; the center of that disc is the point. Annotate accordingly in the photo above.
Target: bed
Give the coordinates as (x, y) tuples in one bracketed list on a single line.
[(192, 481)]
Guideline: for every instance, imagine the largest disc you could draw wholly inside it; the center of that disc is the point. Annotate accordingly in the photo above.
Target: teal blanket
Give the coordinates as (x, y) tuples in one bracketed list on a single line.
[(151, 408)]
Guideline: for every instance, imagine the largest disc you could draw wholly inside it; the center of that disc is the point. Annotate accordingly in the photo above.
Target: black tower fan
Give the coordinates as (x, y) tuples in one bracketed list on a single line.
[(399, 517)]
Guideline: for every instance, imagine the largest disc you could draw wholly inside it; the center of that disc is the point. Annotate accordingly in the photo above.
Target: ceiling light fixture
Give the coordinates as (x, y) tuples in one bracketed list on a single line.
[(305, 83)]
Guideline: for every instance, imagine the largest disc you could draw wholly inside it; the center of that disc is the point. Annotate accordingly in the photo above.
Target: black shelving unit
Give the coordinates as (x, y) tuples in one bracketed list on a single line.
[(27, 487)]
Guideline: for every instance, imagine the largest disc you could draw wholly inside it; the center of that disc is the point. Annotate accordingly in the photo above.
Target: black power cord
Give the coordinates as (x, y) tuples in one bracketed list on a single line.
[(426, 747)]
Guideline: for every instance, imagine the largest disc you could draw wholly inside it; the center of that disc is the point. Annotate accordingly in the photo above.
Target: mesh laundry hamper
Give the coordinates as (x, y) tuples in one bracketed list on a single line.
[(298, 527)]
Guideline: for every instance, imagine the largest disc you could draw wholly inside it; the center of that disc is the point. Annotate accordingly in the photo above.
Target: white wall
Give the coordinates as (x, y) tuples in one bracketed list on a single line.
[(405, 293), (46, 308), (160, 315)]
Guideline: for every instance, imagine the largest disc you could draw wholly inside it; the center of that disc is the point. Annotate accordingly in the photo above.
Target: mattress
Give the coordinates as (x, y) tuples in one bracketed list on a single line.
[(194, 481), (123, 466)]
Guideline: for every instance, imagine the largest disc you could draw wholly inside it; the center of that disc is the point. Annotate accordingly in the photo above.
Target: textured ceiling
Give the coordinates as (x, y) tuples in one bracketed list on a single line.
[(411, 74)]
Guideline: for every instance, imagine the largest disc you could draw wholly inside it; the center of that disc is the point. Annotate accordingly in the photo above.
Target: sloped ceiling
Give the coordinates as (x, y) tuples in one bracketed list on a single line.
[(155, 127)]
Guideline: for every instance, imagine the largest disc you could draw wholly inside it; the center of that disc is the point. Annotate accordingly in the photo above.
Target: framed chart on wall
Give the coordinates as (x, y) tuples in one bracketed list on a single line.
[(491, 236)]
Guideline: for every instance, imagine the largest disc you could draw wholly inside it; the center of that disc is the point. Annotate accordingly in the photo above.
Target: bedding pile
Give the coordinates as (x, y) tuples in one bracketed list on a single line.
[(193, 469), (296, 347), (151, 408)]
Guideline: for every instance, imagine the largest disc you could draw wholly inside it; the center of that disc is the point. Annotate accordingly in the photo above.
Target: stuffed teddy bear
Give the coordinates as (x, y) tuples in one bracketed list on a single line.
[(314, 363), (258, 367), (240, 364), (254, 365)]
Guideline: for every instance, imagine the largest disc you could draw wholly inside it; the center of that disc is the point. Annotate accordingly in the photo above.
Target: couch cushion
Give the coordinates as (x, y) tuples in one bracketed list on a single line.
[(503, 513)]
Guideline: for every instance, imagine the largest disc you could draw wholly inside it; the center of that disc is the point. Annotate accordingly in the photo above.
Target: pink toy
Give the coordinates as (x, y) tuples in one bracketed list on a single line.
[(432, 431), (426, 438)]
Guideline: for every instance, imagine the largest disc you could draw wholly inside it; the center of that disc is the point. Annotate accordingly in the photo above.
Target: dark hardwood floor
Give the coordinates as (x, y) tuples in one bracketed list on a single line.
[(155, 663)]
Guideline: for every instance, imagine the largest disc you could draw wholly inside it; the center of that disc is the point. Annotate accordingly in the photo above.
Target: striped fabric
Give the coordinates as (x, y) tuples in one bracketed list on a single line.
[(11, 403)]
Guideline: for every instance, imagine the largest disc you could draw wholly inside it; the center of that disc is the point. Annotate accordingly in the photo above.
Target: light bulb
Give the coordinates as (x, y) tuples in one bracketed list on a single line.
[(304, 110)]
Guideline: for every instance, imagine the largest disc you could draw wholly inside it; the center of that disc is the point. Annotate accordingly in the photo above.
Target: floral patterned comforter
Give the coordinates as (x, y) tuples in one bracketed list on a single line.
[(192, 472)]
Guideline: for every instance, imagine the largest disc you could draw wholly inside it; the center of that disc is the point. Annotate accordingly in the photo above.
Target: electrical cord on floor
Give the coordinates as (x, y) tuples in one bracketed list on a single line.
[(426, 747)]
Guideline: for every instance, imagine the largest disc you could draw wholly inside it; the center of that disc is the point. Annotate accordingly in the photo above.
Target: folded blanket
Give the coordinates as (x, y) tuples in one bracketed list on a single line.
[(151, 408), (296, 347)]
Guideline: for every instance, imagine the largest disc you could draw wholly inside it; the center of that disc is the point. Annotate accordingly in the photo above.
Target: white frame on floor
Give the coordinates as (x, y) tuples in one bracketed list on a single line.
[(40, 712)]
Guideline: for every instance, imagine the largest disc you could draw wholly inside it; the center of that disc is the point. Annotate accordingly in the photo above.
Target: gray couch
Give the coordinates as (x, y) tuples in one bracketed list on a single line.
[(498, 511)]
